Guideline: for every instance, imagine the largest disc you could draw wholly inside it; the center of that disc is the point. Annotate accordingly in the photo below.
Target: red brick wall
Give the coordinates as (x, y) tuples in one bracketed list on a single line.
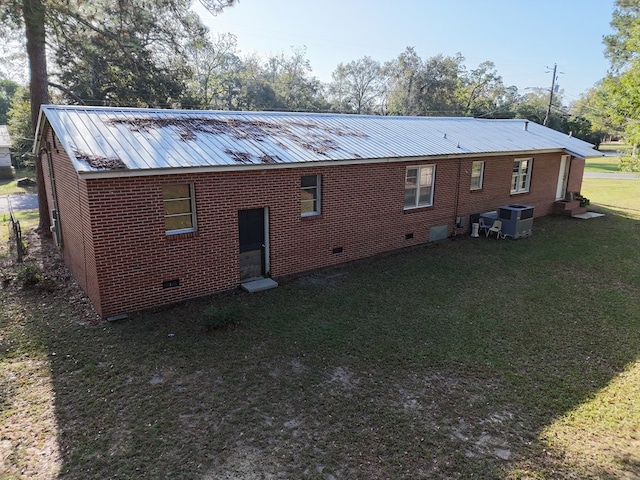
[(75, 218), (576, 171), (361, 211), (496, 189)]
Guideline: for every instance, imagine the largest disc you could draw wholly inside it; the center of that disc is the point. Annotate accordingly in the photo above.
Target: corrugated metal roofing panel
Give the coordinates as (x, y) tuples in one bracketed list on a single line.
[(104, 138), (146, 148), (115, 146)]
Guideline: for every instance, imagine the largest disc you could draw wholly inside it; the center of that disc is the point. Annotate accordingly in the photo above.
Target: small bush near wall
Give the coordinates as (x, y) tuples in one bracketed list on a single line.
[(218, 317), (584, 201), (31, 277)]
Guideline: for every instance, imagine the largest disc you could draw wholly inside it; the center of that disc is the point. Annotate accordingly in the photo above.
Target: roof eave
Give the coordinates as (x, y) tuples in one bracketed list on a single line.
[(43, 121), (596, 154)]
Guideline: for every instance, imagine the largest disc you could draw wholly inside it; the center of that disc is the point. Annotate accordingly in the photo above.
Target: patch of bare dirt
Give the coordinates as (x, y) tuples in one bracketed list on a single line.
[(46, 274)]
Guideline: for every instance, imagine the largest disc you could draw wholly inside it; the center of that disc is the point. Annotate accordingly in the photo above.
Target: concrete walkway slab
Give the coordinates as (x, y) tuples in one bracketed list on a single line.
[(588, 215), (612, 175), (259, 285)]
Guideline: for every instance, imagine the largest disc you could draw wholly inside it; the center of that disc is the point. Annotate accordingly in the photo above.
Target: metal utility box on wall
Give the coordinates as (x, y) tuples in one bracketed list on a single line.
[(517, 220), (438, 233)]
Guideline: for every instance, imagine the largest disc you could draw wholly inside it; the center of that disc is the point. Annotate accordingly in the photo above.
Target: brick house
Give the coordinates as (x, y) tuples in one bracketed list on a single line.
[(151, 207)]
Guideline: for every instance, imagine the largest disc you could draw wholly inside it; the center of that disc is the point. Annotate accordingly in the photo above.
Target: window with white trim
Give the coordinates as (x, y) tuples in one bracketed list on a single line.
[(477, 175), (521, 176), (309, 195), (418, 186), (179, 211)]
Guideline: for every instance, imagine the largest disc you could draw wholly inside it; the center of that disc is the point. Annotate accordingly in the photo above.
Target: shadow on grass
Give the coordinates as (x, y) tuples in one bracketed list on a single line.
[(629, 213), (441, 361), (603, 167)]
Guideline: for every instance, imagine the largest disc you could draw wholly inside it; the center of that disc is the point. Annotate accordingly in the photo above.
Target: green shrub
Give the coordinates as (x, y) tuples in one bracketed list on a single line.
[(31, 277), (218, 317), (629, 163), (584, 201)]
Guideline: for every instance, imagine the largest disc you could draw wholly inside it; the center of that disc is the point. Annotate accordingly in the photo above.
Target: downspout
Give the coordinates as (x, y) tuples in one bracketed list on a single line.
[(55, 213), (459, 222), (84, 242)]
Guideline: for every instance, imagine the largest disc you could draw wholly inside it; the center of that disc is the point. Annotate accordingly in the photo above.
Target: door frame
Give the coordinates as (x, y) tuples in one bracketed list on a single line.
[(266, 262), (563, 177), (265, 249)]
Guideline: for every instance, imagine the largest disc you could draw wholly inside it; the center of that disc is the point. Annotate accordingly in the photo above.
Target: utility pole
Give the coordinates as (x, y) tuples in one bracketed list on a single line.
[(553, 86)]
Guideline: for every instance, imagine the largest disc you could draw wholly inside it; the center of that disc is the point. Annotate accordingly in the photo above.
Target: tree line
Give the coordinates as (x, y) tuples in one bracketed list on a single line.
[(157, 53), (613, 104), (213, 74)]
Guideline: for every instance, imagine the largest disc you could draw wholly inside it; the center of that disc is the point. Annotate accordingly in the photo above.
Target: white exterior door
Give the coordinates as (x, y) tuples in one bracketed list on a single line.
[(563, 177)]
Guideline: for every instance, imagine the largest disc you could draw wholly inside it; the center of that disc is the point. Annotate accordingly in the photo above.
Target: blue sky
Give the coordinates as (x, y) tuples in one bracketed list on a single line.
[(522, 37)]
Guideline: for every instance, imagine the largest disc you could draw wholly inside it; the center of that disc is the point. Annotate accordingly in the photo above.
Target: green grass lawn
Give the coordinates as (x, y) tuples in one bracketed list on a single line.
[(617, 160), (467, 358), (609, 164), (603, 164), (28, 220), (622, 197), (9, 186), (612, 146)]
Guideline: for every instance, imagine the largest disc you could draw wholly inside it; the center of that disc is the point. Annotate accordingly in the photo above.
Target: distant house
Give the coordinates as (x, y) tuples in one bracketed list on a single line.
[(151, 207), (6, 170)]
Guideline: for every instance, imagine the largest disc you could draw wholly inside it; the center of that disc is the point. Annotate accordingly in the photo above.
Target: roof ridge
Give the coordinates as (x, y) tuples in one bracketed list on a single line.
[(257, 112)]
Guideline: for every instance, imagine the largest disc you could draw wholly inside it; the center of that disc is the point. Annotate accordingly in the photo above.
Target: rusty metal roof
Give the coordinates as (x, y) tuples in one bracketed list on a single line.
[(99, 139)]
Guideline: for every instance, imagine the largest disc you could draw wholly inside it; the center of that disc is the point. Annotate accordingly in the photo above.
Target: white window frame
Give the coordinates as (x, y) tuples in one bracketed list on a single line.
[(416, 203), (191, 213), (477, 180), (315, 191), (521, 176)]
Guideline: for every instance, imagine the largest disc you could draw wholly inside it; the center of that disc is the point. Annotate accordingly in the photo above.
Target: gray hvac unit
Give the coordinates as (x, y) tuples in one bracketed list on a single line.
[(517, 220)]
